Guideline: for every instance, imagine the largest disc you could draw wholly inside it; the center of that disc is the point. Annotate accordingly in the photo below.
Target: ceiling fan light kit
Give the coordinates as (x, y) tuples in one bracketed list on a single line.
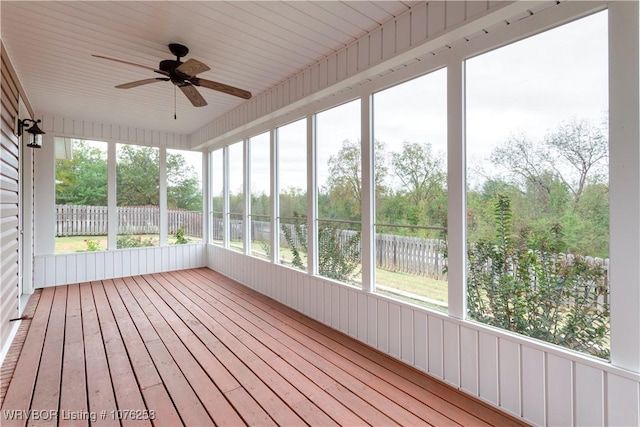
[(182, 75)]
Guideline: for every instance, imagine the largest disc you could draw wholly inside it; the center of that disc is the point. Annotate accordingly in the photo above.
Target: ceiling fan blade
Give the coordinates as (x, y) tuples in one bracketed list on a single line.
[(194, 96), (142, 82), (122, 61), (222, 88), (192, 67)]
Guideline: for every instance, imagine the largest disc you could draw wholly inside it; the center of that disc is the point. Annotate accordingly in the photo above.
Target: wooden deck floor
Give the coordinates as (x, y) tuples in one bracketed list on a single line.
[(195, 348)]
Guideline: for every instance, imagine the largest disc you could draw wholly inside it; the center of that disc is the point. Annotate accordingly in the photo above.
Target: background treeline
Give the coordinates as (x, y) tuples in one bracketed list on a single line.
[(82, 179), (561, 179)]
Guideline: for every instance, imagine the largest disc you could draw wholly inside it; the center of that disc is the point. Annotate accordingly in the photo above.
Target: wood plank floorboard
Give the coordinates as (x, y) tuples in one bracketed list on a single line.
[(196, 348)]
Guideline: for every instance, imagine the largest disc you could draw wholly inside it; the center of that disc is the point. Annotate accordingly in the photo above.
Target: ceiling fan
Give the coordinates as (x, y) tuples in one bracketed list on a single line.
[(182, 75)]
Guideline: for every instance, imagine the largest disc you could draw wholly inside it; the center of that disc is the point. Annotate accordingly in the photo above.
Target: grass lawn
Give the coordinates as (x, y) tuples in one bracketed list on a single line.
[(81, 243)]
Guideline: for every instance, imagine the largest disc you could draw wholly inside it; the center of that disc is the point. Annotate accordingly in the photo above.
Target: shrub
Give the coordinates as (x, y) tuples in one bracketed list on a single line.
[(180, 237), (92, 245), (338, 255), (128, 241), (539, 293)]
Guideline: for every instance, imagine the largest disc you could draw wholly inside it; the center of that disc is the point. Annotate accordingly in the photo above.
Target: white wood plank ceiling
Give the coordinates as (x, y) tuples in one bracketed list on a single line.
[(252, 45)]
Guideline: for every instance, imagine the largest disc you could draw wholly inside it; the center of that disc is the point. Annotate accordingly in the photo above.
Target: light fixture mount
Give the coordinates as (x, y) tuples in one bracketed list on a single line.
[(31, 126)]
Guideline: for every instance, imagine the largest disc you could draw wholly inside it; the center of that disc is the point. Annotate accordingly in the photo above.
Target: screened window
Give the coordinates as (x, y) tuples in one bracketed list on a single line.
[(292, 203), (81, 195), (339, 189), (184, 196), (410, 166), (138, 195), (260, 213), (537, 199)]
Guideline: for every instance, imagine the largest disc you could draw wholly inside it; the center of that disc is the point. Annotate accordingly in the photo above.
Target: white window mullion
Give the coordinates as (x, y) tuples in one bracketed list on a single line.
[(312, 192), (456, 187), (225, 204), (206, 198), (112, 195), (275, 196), (368, 195), (246, 178), (164, 222)]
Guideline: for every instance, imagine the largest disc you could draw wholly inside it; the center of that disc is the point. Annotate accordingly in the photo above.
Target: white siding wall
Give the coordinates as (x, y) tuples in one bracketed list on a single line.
[(10, 155), (543, 384)]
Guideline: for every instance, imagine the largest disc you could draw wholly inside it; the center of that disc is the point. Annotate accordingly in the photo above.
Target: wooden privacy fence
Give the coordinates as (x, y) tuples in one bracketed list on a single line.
[(412, 255), (73, 220)]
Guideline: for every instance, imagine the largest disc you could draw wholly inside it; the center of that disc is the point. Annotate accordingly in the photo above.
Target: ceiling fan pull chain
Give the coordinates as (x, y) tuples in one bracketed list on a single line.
[(175, 115)]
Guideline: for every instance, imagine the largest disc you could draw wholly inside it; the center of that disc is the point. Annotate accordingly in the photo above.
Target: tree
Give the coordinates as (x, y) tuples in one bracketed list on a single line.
[(138, 176), (343, 192), (82, 179), (420, 172), (584, 149), (574, 153), (138, 179), (522, 159), (183, 185)]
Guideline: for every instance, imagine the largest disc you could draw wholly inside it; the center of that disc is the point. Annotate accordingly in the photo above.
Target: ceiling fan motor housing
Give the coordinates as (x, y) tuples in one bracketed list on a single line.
[(169, 66)]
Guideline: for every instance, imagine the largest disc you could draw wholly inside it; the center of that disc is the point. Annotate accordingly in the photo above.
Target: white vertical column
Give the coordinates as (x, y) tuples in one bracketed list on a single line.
[(45, 195), (27, 214), (246, 178), (312, 209), (624, 182), (164, 221), (275, 195), (206, 197), (112, 197), (225, 196), (368, 196), (456, 166)]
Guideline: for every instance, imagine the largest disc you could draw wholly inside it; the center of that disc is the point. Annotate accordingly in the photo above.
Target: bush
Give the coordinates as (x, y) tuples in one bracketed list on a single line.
[(128, 241), (338, 257), (180, 238), (539, 293), (92, 245)]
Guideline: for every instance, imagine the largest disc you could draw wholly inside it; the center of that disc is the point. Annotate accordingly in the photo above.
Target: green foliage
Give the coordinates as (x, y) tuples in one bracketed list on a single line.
[(82, 179), (537, 292), (180, 237), (338, 255), (92, 245), (129, 241)]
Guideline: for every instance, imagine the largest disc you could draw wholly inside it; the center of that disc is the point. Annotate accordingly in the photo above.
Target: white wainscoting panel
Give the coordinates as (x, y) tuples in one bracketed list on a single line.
[(469, 360), (62, 269), (543, 384), (533, 385)]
